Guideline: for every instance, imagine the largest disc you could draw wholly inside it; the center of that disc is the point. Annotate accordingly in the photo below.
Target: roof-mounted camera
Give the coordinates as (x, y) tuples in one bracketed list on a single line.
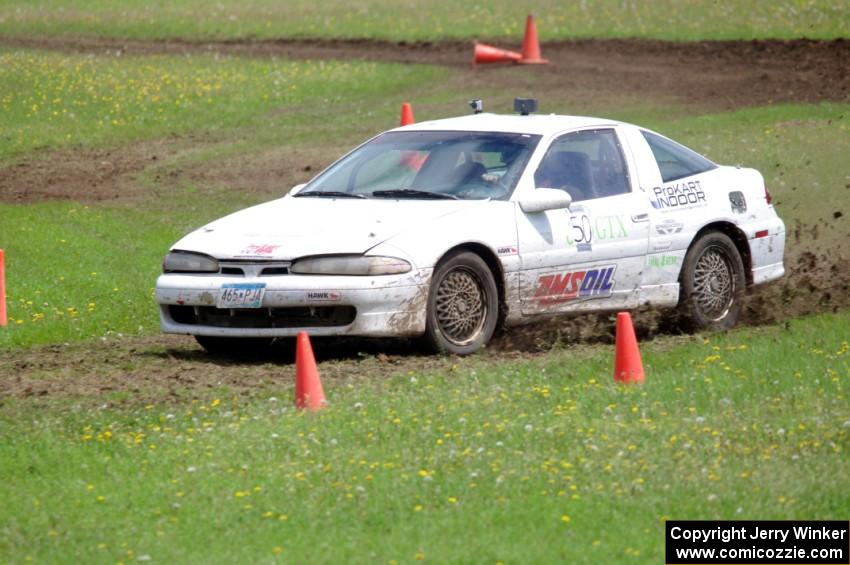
[(525, 106), (477, 105)]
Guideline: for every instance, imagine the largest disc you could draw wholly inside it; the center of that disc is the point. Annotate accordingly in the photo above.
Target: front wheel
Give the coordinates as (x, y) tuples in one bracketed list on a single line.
[(713, 284), (463, 305)]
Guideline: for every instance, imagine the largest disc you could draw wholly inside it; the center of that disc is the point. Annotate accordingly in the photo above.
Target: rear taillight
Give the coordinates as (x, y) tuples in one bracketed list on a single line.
[(768, 198)]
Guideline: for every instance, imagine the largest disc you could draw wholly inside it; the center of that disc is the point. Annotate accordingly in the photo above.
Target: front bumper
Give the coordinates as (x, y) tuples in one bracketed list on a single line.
[(384, 306)]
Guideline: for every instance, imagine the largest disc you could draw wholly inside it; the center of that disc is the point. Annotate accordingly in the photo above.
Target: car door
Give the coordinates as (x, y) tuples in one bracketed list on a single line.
[(591, 255), (676, 182)]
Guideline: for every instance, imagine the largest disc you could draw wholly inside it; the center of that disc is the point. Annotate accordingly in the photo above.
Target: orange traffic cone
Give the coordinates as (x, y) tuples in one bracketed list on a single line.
[(628, 367), (413, 160), (308, 387), (530, 45), (489, 54), (407, 114), (3, 319)]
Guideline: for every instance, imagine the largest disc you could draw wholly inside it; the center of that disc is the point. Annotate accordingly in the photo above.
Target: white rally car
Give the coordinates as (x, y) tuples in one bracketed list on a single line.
[(449, 229)]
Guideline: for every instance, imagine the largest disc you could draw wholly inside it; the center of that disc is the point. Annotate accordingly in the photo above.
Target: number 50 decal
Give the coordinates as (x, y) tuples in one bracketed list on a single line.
[(580, 230)]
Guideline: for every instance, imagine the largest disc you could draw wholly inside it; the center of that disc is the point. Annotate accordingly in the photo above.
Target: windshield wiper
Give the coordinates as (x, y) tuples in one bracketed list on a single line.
[(329, 194), (412, 193)]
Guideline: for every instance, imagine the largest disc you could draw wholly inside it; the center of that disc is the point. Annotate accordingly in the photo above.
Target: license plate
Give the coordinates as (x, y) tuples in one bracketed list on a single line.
[(241, 295)]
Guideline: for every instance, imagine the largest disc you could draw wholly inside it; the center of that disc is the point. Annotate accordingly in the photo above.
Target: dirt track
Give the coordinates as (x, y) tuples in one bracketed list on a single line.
[(729, 73), (710, 75)]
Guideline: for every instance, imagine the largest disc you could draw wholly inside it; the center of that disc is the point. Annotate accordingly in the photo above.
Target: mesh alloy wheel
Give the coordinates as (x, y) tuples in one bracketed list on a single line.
[(714, 283), (460, 306), (463, 305)]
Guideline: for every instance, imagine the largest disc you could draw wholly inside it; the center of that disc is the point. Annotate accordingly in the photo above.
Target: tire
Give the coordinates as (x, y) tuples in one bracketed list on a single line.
[(463, 305), (713, 284), (234, 346)]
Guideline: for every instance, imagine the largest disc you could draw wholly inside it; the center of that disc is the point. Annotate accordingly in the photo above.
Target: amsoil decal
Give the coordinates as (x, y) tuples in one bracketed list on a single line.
[(507, 250), (557, 288), (323, 296), (669, 227), (259, 249), (678, 195)]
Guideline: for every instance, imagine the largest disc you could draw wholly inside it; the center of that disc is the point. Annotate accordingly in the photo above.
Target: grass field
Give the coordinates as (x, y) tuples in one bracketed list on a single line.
[(540, 460), (53, 100), (667, 19)]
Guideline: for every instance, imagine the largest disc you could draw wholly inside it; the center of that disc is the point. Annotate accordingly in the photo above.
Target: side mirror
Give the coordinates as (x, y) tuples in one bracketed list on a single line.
[(296, 189), (542, 199)]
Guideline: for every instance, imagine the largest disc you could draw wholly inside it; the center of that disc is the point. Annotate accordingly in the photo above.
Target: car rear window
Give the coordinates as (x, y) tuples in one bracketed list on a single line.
[(675, 161)]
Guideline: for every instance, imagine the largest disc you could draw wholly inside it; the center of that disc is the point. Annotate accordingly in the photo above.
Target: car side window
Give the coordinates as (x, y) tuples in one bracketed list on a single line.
[(588, 164), (675, 161)]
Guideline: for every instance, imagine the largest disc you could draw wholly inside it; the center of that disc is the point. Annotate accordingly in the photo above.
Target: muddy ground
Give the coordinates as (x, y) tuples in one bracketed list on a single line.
[(710, 75), (719, 75), (725, 73)]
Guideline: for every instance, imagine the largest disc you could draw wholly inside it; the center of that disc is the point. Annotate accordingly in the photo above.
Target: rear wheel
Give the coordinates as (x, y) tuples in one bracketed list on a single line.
[(234, 346), (713, 284), (463, 305)]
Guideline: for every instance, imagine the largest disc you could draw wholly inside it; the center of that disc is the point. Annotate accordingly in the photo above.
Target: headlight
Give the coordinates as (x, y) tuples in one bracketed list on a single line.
[(350, 265), (185, 262)]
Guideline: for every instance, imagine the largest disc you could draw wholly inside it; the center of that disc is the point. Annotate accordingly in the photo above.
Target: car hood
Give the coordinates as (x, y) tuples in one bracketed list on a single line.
[(290, 227)]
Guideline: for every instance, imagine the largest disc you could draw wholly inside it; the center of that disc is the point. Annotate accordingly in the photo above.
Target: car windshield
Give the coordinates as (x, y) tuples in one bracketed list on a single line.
[(429, 165)]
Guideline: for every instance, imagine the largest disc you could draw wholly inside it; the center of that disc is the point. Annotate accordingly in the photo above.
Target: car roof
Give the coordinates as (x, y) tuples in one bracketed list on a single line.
[(535, 124)]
